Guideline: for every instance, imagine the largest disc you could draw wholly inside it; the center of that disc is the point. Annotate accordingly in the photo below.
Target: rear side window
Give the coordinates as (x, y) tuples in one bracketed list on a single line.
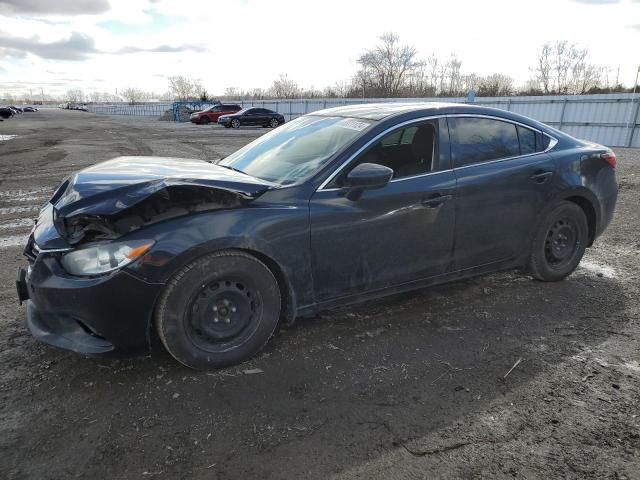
[(476, 140), (527, 140), (542, 142)]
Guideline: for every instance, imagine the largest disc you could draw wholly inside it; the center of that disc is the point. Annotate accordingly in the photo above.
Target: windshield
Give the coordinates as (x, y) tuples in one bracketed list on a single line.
[(296, 150)]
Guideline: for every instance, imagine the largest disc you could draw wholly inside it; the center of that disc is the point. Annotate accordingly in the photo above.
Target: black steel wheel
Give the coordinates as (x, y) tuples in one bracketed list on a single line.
[(219, 310), (559, 243)]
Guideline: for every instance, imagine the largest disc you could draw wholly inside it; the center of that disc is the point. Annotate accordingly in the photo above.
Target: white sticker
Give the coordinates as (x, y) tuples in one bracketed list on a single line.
[(353, 124)]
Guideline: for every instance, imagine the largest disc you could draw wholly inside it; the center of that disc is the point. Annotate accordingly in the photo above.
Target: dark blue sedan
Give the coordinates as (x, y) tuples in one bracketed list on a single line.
[(335, 207)]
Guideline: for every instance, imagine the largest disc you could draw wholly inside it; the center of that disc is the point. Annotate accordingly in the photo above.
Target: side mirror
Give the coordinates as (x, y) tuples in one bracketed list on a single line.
[(368, 175)]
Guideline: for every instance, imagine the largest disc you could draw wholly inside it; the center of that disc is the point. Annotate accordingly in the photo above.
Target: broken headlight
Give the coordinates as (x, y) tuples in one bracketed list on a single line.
[(104, 258)]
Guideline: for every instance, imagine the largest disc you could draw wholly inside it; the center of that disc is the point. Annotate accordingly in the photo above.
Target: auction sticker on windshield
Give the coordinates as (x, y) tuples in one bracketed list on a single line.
[(353, 124)]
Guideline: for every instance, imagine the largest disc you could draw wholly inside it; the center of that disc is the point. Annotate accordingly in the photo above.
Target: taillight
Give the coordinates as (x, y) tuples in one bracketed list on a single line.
[(609, 157)]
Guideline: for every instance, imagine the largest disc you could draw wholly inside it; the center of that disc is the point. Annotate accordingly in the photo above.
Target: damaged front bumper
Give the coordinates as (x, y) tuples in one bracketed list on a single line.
[(106, 315)]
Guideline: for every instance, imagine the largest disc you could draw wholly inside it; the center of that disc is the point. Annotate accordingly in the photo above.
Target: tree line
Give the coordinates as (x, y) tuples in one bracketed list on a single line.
[(392, 69)]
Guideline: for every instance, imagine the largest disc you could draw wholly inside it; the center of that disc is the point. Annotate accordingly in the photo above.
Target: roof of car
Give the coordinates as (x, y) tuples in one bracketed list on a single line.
[(378, 111)]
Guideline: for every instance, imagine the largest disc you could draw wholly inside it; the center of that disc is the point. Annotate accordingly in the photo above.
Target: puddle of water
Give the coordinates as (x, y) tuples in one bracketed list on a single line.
[(7, 137), (23, 222), (25, 193), (632, 366), (10, 210), (600, 270), (13, 241)]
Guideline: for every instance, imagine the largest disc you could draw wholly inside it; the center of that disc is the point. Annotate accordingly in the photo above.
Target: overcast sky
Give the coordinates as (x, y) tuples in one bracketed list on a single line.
[(107, 44)]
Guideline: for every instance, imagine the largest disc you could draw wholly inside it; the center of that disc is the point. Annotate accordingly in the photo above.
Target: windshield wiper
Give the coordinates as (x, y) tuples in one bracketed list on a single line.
[(232, 168)]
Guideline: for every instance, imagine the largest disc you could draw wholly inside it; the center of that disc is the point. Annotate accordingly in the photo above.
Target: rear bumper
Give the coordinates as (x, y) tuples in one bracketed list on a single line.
[(607, 207), (108, 315)]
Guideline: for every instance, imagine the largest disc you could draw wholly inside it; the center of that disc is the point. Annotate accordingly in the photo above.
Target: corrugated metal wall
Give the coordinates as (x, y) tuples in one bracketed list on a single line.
[(599, 118), (610, 119)]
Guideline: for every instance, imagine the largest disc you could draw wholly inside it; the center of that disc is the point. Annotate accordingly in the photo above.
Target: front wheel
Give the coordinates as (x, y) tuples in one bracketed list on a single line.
[(559, 243), (219, 310), (274, 123), (235, 123), (204, 121)]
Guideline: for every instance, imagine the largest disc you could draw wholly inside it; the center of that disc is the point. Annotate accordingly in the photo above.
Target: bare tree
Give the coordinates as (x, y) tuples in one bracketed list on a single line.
[(183, 88), (562, 67), (495, 85), (387, 65), (134, 95), (74, 95), (543, 67), (283, 87), (232, 92)]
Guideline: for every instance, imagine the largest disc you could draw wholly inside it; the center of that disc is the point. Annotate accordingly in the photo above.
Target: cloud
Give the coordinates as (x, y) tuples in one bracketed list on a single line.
[(77, 47), (165, 49), (55, 7)]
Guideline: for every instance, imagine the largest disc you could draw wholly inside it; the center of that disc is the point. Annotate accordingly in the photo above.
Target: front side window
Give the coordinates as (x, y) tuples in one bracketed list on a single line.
[(476, 140), (407, 151), (296, 150)]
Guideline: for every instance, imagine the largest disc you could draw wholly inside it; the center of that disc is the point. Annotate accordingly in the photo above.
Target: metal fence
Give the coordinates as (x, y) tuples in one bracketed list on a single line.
[(610, 119)]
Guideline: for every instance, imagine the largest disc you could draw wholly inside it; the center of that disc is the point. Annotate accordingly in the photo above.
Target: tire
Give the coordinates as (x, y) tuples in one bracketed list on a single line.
[(235, 123), (274, 123), (559, 243), (204, 121), (219, 310)]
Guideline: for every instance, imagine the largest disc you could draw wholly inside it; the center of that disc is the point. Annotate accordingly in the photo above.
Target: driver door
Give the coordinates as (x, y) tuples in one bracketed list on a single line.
[(400, 233)]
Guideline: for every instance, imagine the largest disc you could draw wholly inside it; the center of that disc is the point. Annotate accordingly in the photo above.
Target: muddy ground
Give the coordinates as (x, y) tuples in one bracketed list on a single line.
[(410, 387)]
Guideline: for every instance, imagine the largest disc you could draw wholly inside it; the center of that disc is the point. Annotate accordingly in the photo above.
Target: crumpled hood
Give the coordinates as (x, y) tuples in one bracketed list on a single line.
[(118, 184), (116, 197)]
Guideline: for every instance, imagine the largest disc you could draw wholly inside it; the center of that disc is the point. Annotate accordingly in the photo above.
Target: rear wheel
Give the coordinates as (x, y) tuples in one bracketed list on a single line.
[(235, 123), (559, 243), (204, 121), (219, 310)]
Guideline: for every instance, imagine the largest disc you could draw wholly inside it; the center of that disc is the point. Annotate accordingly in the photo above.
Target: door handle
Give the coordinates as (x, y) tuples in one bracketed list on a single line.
[(435, 201), (540, 177)]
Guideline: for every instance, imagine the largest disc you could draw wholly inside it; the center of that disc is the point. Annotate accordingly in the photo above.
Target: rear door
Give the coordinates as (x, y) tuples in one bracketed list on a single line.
[(504, 180)]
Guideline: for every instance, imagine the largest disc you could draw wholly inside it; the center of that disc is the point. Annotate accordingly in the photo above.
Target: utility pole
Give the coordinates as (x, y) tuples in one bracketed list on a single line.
[(633, 97)]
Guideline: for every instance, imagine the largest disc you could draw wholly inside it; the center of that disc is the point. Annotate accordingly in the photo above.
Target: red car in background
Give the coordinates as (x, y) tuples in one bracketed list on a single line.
[(211, 114)]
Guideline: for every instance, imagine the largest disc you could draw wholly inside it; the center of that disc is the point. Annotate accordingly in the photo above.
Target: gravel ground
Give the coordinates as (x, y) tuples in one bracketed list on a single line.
[(413, 386)]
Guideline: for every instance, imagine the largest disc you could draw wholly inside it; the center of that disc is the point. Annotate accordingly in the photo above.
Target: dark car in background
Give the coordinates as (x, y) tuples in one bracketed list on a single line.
[(211, 114), (261, 117), (6, 112), (335, 207)]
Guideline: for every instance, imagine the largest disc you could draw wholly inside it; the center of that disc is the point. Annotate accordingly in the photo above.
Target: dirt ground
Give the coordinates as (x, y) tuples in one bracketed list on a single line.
[(414, 386)]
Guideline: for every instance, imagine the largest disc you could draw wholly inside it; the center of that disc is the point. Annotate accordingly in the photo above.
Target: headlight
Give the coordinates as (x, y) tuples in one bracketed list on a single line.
[(104, 258)]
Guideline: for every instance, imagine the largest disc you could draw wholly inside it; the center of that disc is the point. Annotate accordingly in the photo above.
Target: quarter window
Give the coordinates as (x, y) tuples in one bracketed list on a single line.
[(527, 140), (476, 140)]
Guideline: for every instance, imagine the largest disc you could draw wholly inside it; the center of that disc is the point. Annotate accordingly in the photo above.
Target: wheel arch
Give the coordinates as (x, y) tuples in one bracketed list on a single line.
[(590, 212), (287, 294)]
